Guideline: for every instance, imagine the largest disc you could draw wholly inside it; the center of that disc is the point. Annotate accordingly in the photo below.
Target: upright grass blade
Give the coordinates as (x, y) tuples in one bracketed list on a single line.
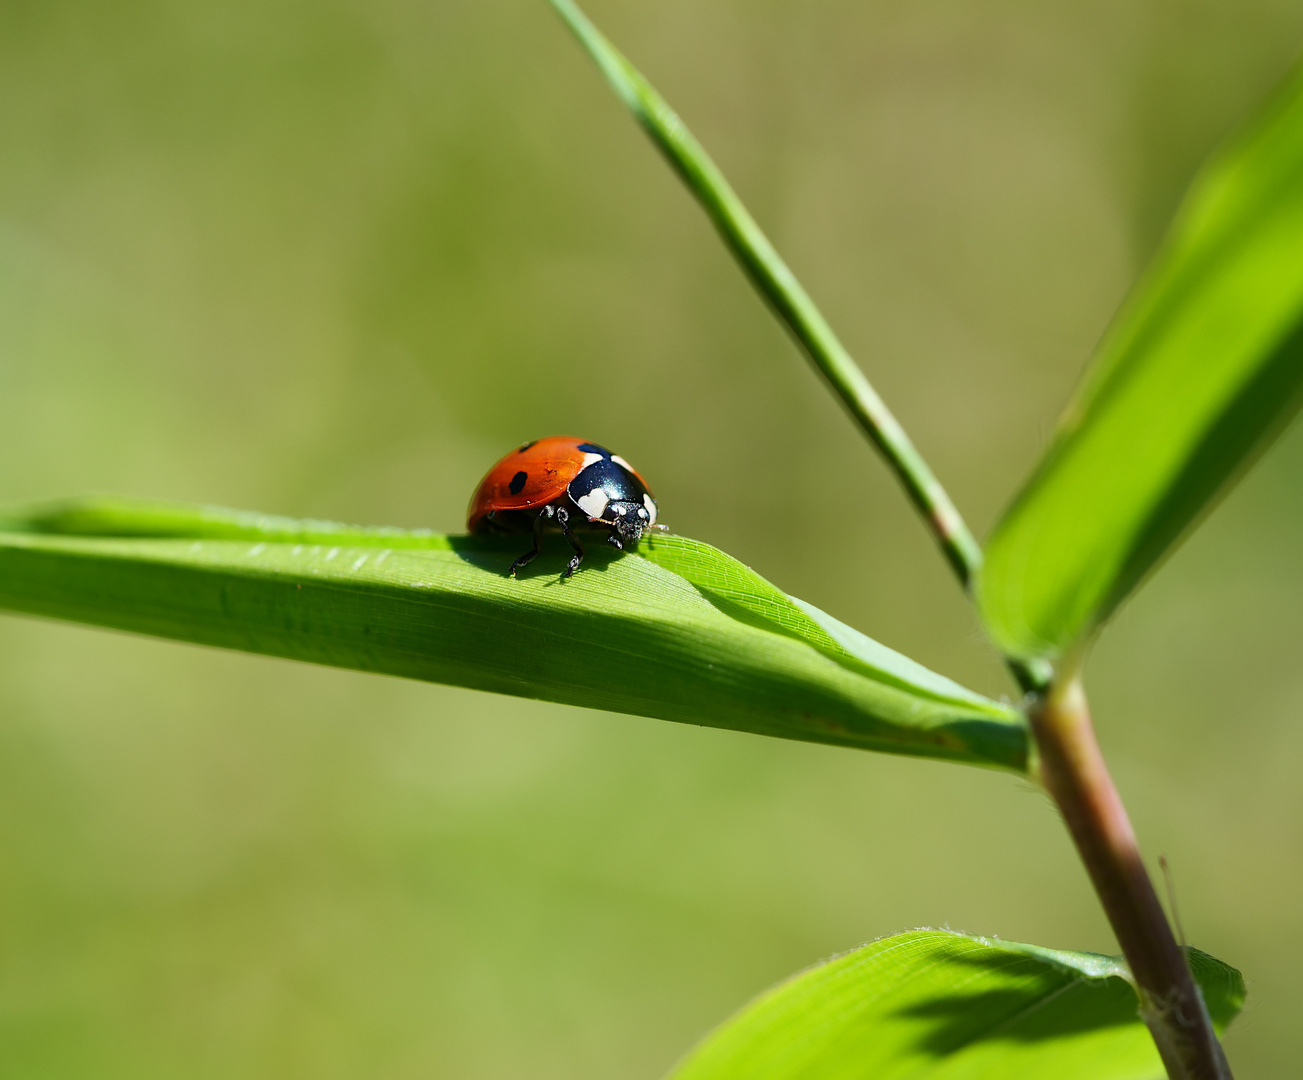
[(685, 633), (777, 284), (1203, 366), (934, 1005)]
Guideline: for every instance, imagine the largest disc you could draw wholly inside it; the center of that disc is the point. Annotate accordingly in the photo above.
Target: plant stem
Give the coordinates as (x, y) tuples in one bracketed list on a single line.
[(1073, 770)]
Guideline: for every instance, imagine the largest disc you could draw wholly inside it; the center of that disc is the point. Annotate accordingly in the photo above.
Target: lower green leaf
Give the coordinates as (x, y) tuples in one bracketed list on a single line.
[(935, 1005), (685, 633)]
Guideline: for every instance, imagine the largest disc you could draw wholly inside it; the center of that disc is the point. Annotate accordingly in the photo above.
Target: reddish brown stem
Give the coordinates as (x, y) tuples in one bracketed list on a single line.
[(1074, 773)]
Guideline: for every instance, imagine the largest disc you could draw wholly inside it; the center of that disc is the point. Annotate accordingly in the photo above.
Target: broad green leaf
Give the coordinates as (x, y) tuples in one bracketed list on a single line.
[(683, 633), (1203, 366), (934, 1005)]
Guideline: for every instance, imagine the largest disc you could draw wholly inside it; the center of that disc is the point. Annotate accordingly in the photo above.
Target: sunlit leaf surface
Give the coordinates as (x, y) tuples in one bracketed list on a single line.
[(682, 633), (934, 1005), (1203, 366)]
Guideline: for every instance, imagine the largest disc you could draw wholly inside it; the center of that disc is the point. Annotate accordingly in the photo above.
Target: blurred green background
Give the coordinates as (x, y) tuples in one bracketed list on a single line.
[(332, 259)]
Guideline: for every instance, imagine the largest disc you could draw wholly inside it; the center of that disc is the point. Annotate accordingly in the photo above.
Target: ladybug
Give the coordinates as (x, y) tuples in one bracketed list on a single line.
[(568, 482)]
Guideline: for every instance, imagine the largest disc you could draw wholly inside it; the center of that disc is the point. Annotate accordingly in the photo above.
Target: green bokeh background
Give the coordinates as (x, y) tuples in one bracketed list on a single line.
[(332, 259)]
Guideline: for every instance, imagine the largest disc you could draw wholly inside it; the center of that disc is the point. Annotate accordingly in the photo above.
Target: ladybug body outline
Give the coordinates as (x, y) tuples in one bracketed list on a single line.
[(565, 481)]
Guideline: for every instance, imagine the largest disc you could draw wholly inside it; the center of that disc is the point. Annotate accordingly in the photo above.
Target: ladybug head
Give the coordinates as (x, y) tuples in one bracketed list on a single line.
[(628, 519)]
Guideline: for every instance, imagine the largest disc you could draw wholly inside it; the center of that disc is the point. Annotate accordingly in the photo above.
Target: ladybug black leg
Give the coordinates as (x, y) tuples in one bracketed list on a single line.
[(563, 518), (614, 541), (529, 556)]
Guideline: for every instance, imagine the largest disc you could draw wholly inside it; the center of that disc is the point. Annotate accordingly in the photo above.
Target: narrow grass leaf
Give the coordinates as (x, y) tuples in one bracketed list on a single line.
[(1202, 368), (776, 283), (935, 1005), (684, 633)]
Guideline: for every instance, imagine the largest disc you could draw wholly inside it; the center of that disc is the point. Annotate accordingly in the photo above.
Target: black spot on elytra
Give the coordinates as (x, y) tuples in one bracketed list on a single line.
[(517, 482), (526, 447), (593, 448)]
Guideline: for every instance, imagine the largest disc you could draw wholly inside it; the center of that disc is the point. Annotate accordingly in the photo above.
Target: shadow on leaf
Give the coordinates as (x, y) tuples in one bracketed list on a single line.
[(1018, 999)]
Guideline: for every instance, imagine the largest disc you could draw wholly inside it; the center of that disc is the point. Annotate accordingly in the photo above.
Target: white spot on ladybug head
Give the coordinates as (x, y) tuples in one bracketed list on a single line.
[(651, 509), (590, 459), (593, 503), (621, 462), (621, 509)]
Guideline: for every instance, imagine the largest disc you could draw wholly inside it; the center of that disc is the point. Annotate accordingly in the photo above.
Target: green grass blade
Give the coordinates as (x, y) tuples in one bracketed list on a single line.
[(685, 633), (934, 1005), (778, 285), (1203, 366)]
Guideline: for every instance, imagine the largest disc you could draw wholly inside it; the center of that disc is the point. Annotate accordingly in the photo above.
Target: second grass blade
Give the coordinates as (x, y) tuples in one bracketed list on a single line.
[(778, 285)]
